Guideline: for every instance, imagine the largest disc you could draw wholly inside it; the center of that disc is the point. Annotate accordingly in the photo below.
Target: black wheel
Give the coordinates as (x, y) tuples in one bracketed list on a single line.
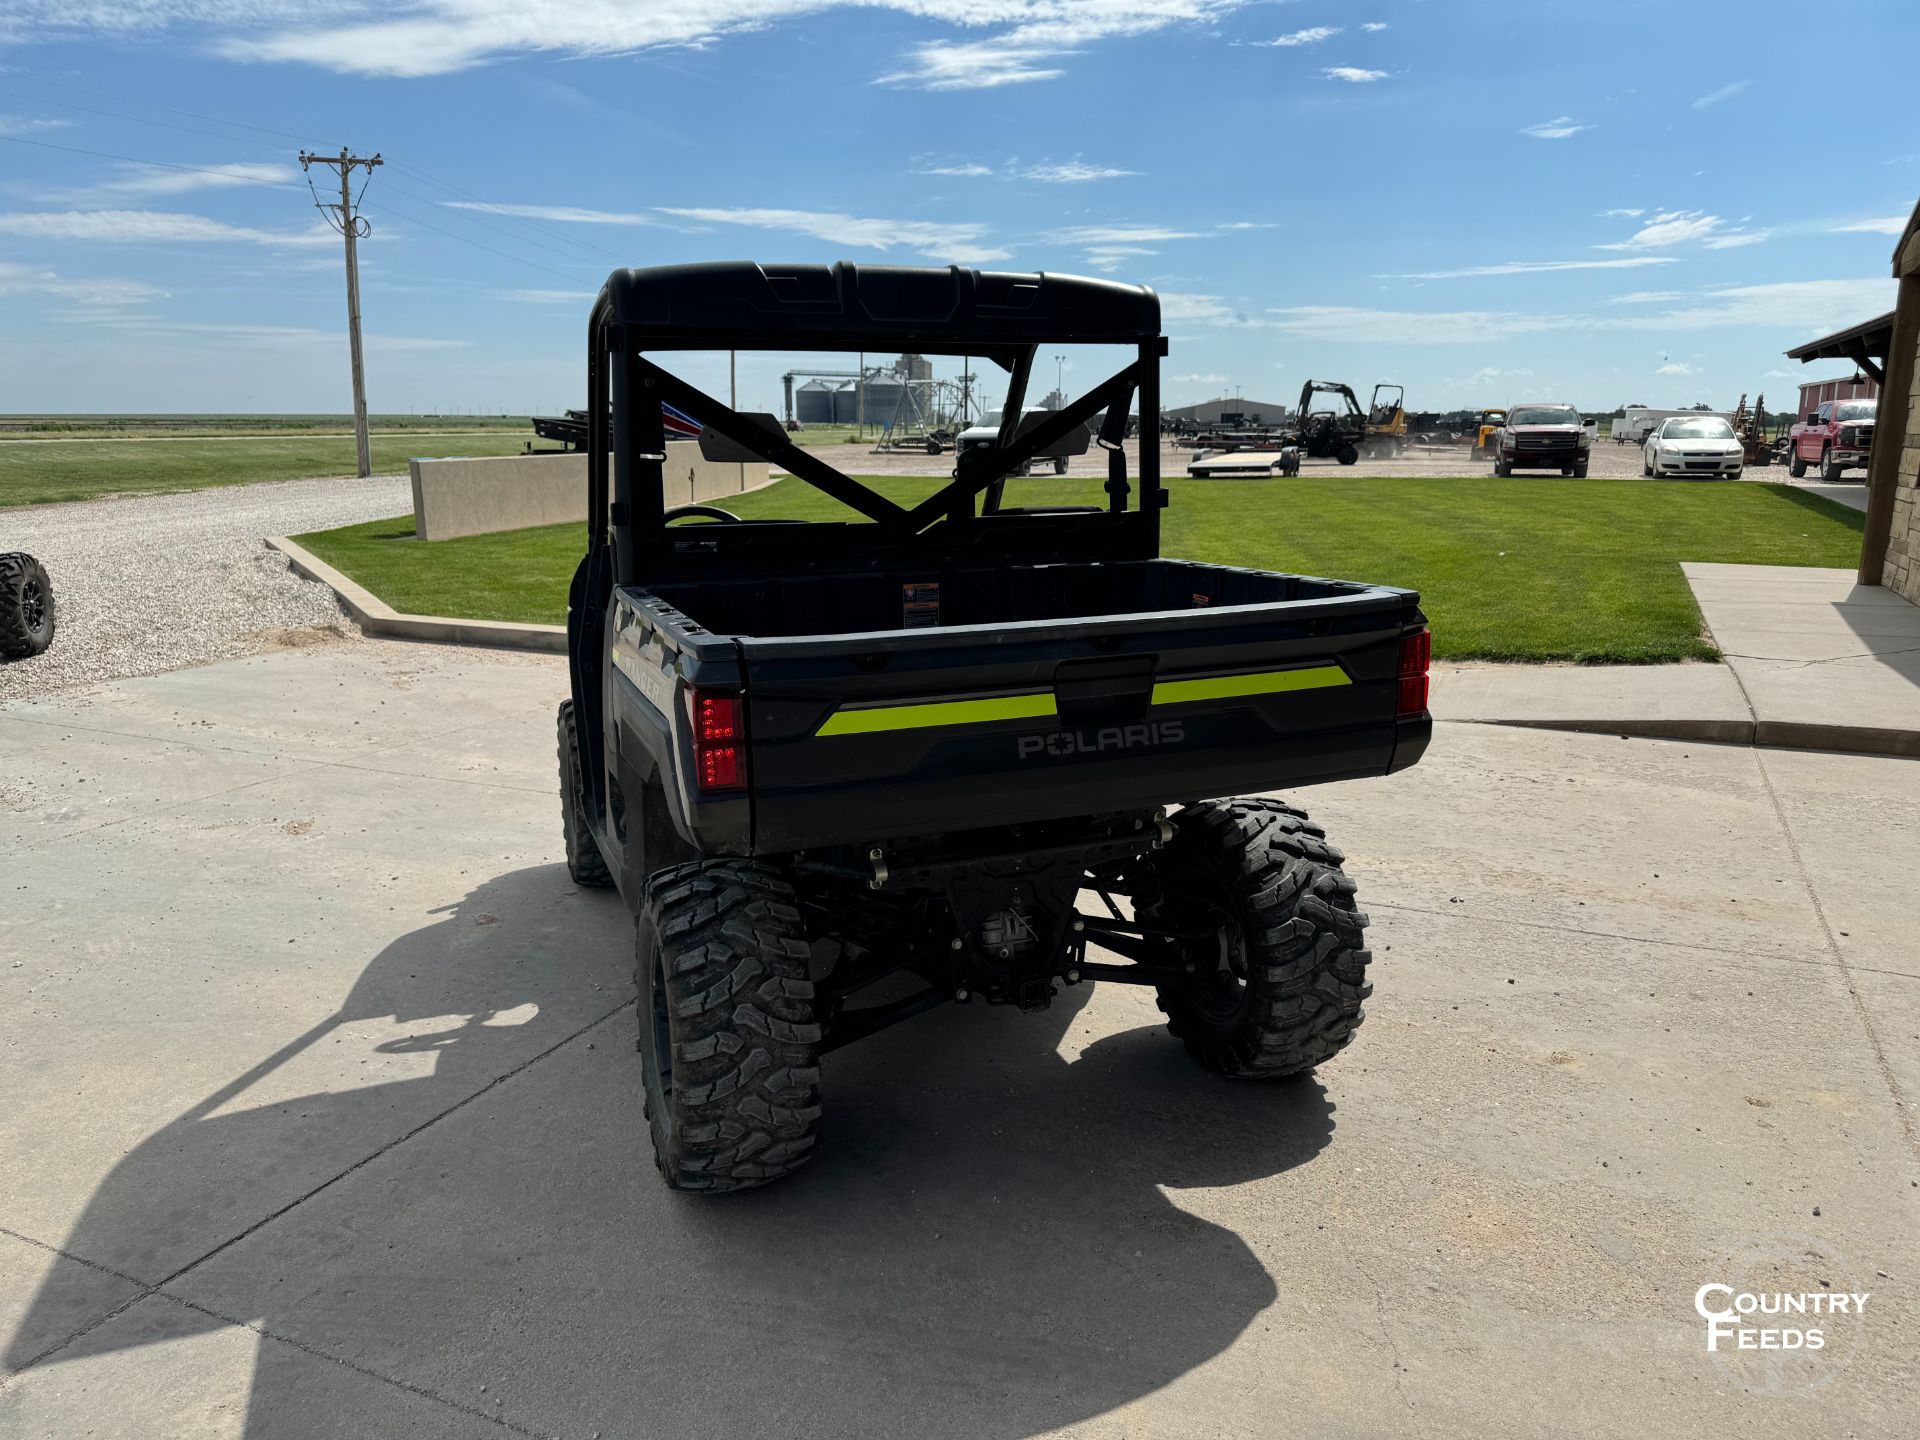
[(1580, 471), (1278, 984), (1348, 455), (729, 1038), (584, 861), (26, 607), (1797, 465), (1566, 472), (1059, 464), (1646, 465), (1828, 470), (933, 446), (1502, 469)]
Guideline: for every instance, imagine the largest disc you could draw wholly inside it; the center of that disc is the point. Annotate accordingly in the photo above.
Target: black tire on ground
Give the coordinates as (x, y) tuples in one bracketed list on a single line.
[(26, 607), (1566, 472), (584, 861), (1580, 470), (1280, 985), (1348, 455), (1059, 464), (1646, 465), (1797, 464), (1829, 471), (729, 1036), (1502, 469)]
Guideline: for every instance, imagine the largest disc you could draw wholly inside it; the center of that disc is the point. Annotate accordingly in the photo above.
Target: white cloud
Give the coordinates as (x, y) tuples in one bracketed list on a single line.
[(1374, 27), (1629, 214), (1734, 239), (146, 181), (1536, 267), (1070, 172), (1675, 367), (30, 124), (1670, 227), (1891, 225), (1010, 41), (1111, 257), (148, 227), (1248, 225), (1647, 297), (958, 243), (1312, 36), (548, 297), (1787, 308), (1410, 327), (1198, 379), (1119, 235), (1725, 92), (1353, 75), (965, 171), (1177, 306), (103, 292), (564, 214), (1558, 128)]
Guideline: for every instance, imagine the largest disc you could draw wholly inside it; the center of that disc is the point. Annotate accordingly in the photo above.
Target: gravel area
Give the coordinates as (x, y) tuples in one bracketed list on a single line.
[(158, 582)]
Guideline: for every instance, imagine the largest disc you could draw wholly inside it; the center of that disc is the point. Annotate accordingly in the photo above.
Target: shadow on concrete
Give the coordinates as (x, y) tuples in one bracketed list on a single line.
[(984, 1248)]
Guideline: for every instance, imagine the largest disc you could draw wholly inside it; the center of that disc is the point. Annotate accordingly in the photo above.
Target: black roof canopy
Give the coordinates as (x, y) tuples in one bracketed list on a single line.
[(738, 304)]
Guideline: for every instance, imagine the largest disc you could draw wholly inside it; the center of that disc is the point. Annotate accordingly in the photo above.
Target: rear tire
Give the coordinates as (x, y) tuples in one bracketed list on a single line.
[(1348, 455), (584, 862), (26, 607), (729, 1035), (1280, 985)]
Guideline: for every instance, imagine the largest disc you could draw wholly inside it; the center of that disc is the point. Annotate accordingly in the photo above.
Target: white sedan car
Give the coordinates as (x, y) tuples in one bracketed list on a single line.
[(1703, 447)]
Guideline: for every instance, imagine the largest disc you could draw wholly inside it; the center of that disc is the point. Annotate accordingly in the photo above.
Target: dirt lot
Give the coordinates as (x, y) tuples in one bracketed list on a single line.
[(323, 1113)]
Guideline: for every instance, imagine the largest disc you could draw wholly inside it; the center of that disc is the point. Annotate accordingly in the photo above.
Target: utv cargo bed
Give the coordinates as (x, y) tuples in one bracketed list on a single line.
[(900, 702)]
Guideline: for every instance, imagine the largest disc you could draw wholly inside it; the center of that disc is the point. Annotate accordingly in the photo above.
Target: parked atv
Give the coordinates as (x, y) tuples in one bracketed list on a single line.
[(26, 606)]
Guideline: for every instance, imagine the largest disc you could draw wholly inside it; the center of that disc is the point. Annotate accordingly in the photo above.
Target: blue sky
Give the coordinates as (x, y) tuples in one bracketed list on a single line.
[(1631, 202)]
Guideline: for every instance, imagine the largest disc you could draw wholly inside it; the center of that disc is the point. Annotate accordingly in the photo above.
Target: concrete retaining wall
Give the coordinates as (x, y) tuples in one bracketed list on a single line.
[(518, 492)]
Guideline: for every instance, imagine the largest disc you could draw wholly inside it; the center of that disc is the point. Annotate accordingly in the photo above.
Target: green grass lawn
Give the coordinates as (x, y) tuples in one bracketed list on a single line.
[(1516, 570), (37, 473)]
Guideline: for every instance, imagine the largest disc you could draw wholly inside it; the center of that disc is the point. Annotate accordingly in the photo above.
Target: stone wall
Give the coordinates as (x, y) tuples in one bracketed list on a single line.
[(517, 492), (1901, 570)]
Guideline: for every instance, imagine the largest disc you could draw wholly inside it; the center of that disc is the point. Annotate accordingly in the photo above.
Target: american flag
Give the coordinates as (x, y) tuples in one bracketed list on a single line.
[(679, 425)]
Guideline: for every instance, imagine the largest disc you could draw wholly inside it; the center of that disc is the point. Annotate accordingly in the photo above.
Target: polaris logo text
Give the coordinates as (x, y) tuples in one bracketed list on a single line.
[(1107, 737)]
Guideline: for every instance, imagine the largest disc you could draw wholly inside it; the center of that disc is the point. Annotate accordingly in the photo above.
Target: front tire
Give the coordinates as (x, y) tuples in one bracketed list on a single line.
[(584, 862), (26, 607), (1348, 455), (1829, 471), (729, 1035), (1580, 471), (1797, 466), (1279, 984), (1502, 470)]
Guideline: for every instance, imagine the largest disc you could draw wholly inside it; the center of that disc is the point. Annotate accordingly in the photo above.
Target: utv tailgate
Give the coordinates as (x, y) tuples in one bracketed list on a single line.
[(860, 737)]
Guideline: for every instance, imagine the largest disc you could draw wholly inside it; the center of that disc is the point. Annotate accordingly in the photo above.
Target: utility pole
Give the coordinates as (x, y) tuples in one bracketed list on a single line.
[(350, 225), (733, 379)]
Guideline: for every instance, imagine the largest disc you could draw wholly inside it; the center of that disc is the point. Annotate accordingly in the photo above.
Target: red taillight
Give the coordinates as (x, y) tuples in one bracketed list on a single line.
[(1416, 653), (719, 735)]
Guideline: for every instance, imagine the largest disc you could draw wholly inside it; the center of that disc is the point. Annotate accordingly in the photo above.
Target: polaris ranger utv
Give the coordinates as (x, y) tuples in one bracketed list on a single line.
[(845, 772)]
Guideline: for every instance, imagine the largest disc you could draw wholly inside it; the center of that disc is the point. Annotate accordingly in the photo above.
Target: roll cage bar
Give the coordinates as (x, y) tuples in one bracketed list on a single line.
[(1000, 317)]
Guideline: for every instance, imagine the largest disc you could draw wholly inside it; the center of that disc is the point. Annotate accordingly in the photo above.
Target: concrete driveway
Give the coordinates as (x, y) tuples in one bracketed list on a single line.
[(322, 1113)]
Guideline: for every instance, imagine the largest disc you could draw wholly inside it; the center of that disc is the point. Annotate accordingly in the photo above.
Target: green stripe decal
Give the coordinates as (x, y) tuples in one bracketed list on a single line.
[(922, 716), (1233, 687)]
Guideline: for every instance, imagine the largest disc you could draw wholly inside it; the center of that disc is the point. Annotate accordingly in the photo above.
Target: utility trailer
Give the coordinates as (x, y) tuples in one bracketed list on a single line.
[(847, 772)]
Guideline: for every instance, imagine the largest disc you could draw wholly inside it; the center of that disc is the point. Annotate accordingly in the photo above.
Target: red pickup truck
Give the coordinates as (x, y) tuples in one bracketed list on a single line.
[(1837, 437)]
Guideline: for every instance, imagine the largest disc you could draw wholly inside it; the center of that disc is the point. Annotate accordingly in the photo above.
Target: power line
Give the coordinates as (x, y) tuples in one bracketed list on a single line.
[(500, 229), (390, 209), (109, 155), (142, 120), (520, 219), (150, 105)]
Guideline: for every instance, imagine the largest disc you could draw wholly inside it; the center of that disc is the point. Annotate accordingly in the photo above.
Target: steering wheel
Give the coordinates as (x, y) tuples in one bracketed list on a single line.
[(700, 512)]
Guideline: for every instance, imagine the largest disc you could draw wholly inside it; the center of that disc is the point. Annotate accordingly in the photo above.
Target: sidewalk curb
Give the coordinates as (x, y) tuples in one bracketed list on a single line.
[(1762, 735), (376, 617)]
